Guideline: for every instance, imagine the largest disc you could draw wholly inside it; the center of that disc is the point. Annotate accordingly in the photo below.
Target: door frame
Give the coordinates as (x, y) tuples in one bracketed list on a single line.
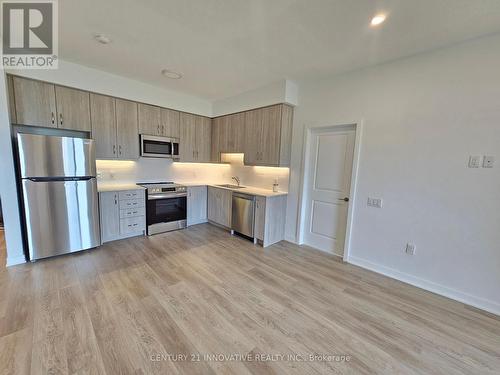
[(307, 174)]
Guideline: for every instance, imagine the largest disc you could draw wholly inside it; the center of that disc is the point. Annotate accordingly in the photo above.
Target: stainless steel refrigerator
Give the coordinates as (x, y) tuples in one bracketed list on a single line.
[(59, 190)]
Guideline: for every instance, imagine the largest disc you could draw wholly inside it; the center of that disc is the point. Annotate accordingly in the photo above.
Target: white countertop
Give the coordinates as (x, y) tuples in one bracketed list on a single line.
[(121, 186), (117, 186), (245, 190)]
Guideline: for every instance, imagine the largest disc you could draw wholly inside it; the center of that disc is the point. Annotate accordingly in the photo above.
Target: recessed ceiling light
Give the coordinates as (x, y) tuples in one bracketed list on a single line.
[(378, 19), (103, 39), (171, 74)]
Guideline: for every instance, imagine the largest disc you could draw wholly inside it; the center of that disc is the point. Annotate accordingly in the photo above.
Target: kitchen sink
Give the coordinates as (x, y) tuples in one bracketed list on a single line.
[(229, 186)]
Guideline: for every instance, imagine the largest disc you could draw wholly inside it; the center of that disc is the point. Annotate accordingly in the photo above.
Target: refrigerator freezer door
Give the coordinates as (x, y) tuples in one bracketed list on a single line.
[(52, 156), (61, 216)]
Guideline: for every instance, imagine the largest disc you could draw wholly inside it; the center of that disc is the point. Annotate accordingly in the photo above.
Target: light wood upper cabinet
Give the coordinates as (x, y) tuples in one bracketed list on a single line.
[(286, 135), (215, 144), (103, 117), (35, 102), (170, 123), (203, 139), (228, 135), (264, 135), (187, 151), (253, 136), (127, 130), (232, 133), (44, 104), (195, 138), (114, 127), (268, 136), (73, 109), (271, 132), (149, 119)]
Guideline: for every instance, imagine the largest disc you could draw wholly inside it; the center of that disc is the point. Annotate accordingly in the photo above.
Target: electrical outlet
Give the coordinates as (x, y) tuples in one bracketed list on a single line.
[(488, 161), (474, 161), (374, 202), (410, 249)]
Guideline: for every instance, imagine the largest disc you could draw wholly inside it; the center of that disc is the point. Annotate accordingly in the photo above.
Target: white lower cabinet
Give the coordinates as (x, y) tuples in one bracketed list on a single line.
[(122, 214), (196, 205)]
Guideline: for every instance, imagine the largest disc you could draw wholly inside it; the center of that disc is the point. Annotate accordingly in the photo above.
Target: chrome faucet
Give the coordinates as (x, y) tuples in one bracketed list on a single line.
[(237, 179)]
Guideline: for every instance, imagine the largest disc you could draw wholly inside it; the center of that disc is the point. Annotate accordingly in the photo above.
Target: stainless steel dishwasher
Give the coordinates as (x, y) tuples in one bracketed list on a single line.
[(243, 214)]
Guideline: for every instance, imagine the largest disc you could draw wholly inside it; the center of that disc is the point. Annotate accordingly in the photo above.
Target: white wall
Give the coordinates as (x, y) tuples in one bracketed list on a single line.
[(284, 91), (82, 77), (8, 192), (423, 117)]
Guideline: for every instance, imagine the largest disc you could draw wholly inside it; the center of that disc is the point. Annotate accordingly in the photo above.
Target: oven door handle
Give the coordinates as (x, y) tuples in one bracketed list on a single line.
[(166, 196)]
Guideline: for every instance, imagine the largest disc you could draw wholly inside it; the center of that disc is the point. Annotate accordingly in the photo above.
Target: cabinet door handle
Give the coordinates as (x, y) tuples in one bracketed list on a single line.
[(53, 118), (114, 149), (116, 202), (120, 149), (60, 118)]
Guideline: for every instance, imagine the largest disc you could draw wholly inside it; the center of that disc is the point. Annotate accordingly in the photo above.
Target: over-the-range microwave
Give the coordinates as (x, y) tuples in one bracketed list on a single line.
[(153, 146)]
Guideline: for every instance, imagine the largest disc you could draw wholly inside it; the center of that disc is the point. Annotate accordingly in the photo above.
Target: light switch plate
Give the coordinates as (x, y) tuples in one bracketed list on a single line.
[(488, 161), (474, 161)]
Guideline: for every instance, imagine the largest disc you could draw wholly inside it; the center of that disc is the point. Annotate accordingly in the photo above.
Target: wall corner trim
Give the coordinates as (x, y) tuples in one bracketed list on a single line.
[(468, 299)]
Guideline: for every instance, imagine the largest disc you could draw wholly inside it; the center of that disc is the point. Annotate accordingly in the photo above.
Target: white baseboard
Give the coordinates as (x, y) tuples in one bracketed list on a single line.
[(468, 299), (13, 261)]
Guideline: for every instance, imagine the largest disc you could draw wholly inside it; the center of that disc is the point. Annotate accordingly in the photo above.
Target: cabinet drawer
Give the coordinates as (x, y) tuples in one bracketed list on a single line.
[(131, 194), (132, 224), (132, 212), (131, 203)]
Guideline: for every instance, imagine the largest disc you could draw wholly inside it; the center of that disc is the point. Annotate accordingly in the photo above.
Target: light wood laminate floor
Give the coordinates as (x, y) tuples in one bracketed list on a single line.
[(125, 307)]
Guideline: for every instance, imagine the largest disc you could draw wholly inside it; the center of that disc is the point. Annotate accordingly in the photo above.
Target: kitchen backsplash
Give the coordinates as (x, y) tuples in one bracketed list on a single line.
[(149, 169)]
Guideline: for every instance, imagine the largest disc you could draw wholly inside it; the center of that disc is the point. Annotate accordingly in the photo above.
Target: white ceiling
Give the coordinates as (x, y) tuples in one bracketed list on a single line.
[(225, 47)]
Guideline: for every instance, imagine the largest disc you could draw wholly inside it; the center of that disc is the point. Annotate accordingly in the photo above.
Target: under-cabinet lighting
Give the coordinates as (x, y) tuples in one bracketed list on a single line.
[(271, 170), (115, 164)]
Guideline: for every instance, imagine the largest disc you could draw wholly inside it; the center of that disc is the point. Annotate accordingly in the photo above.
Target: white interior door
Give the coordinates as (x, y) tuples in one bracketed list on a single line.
[(328, 187)]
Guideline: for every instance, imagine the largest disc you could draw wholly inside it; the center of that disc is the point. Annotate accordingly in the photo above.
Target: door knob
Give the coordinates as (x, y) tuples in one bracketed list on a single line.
[(346, 199)]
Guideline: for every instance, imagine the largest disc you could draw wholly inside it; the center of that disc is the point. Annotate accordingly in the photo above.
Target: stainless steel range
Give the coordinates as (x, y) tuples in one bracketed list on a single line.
[(166, 204)]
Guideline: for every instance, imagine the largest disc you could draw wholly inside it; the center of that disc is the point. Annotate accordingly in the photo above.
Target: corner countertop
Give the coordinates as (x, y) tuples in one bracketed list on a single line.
[(122, 186), (268, 193), (117, 186)]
